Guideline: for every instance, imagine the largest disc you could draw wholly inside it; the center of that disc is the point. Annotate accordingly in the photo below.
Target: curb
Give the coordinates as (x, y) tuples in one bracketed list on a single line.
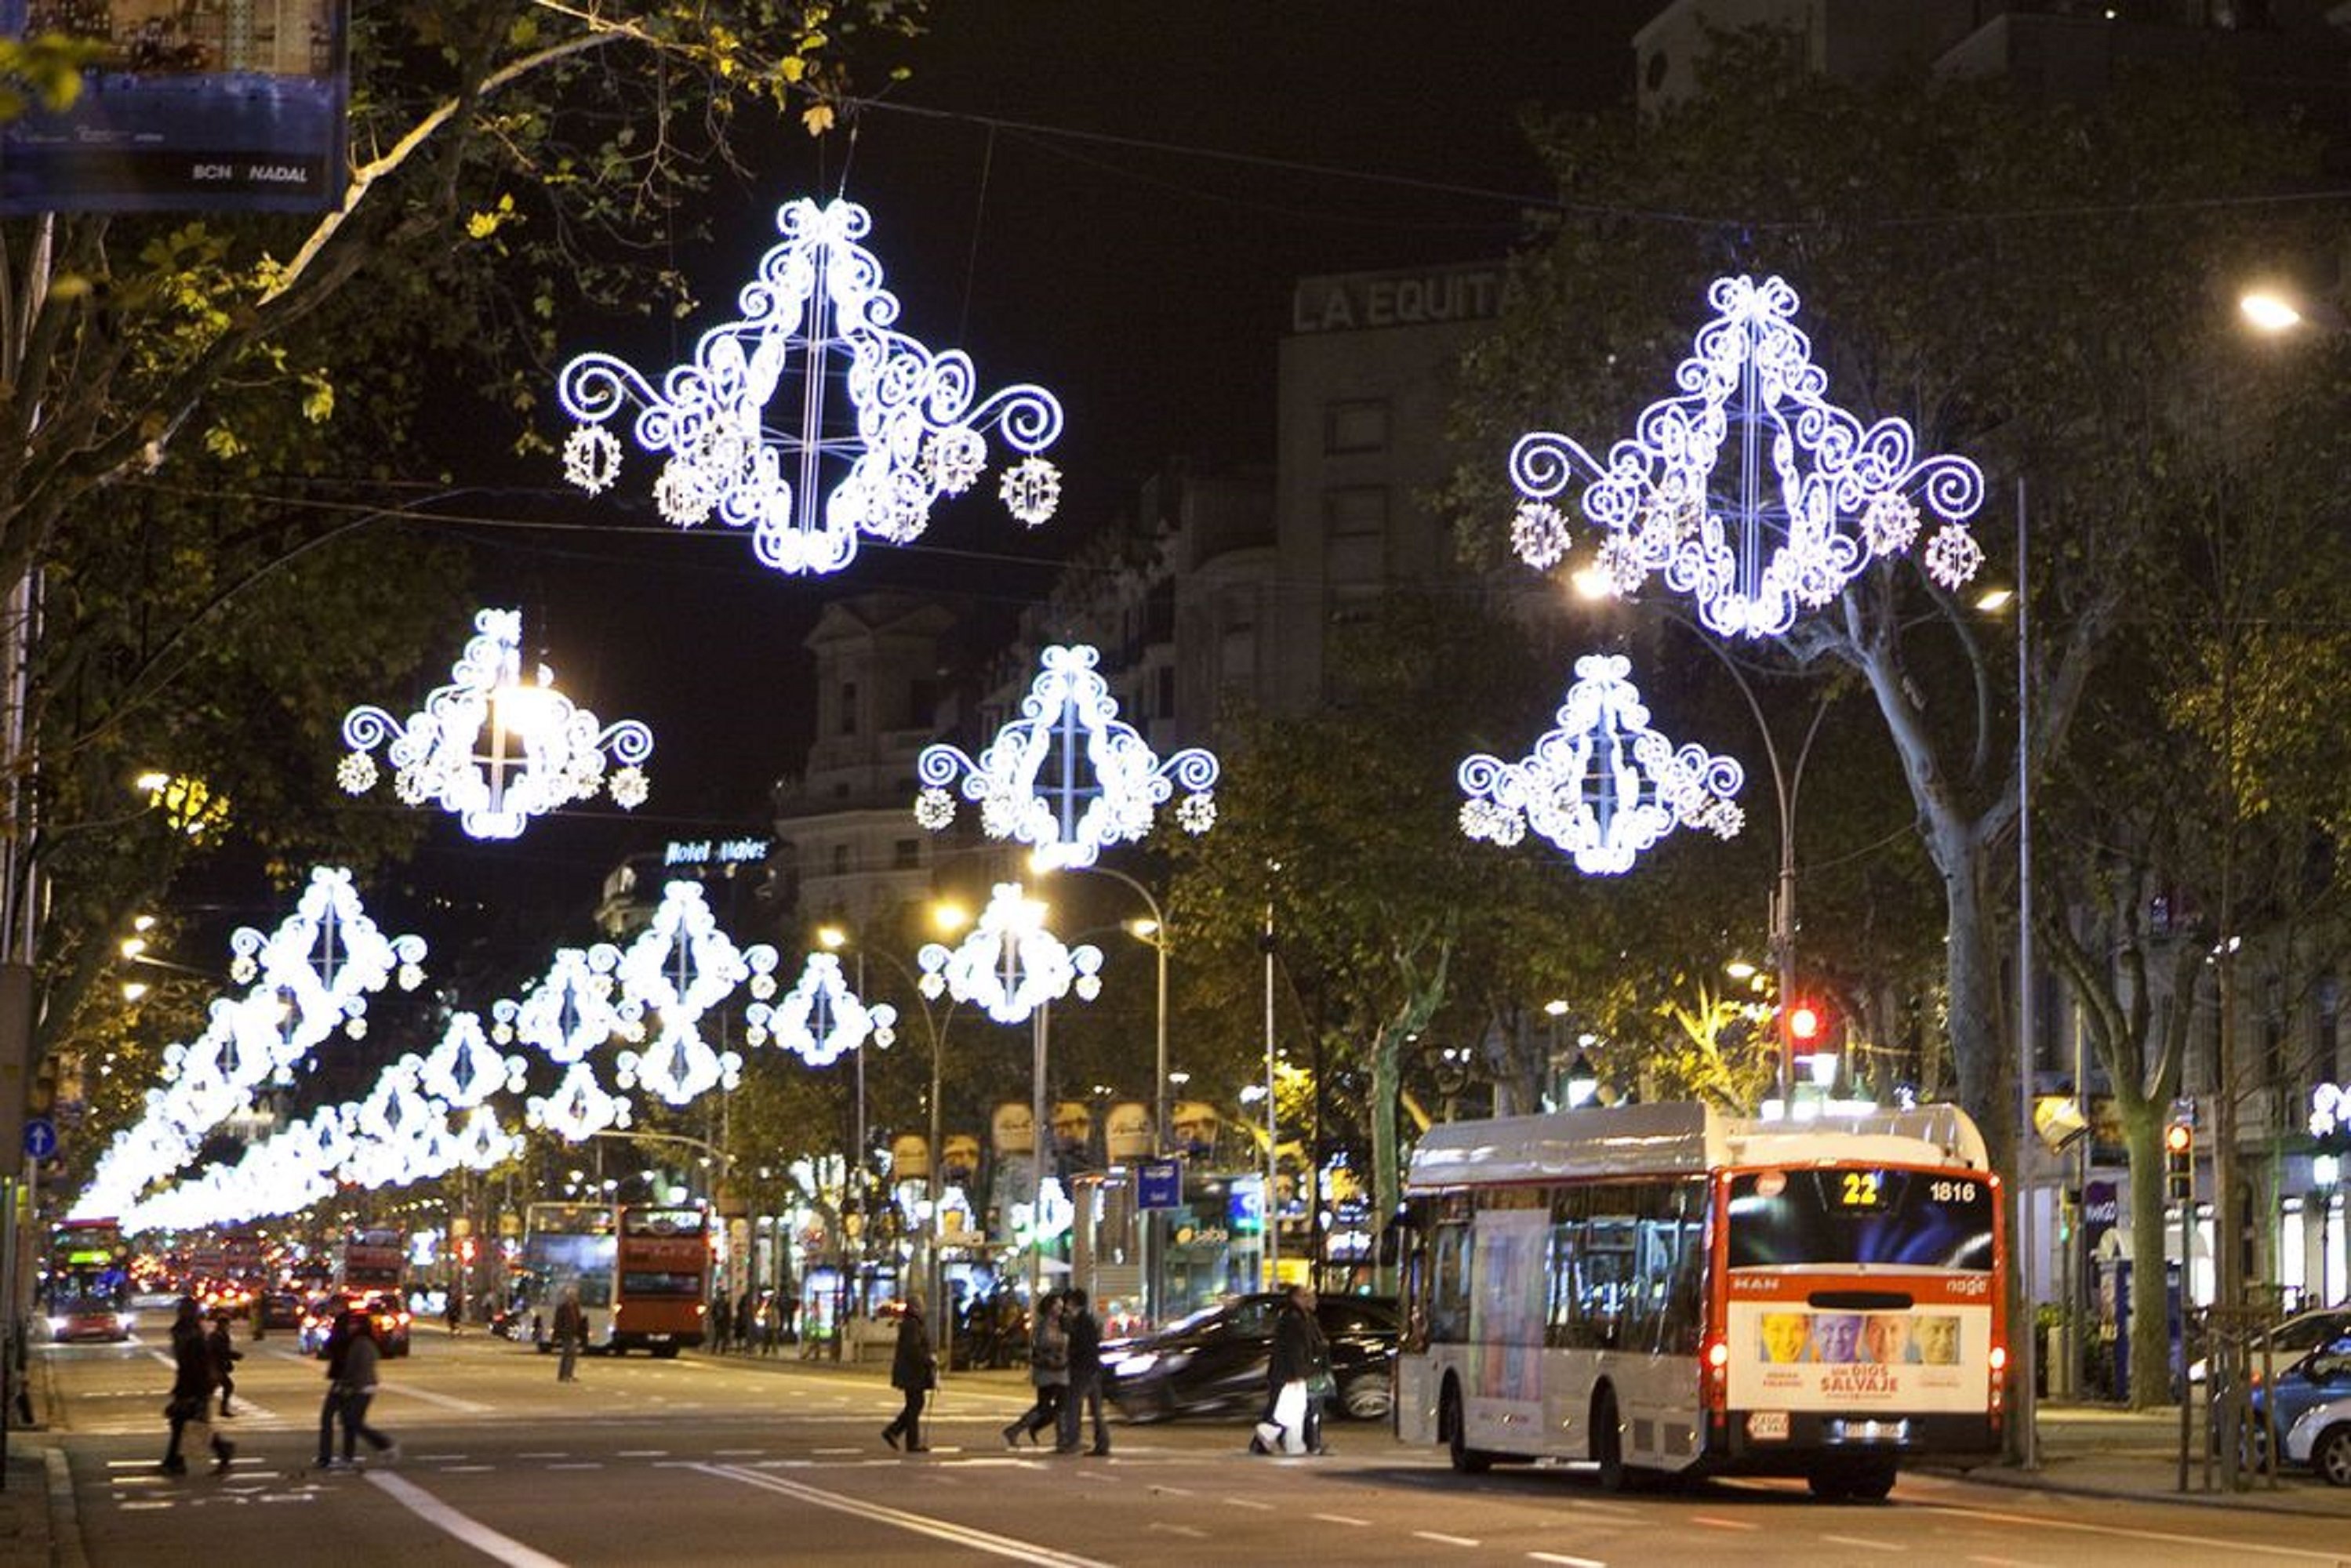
[(2255, 1501), (65, 1514)]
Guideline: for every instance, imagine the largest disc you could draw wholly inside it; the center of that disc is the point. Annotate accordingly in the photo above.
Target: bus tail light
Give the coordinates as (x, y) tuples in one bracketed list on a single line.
[(1998, 1364), (1715, 1382)]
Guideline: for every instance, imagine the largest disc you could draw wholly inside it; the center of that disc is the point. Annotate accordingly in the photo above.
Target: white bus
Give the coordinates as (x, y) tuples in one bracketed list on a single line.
[(572, 1246), (1664, 1289)]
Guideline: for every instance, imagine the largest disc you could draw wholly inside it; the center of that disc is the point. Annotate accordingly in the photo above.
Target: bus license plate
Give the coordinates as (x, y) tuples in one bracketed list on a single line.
[(1768, 1424)]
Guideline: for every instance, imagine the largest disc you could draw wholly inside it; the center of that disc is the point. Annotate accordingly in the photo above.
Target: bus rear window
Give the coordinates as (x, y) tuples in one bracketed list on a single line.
[(1888, 1218), (662, 1221), (655, 1282)]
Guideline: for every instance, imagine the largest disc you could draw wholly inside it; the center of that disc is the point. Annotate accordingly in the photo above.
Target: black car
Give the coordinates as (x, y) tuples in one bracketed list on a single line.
[(1214, 1362), (279, 1310)]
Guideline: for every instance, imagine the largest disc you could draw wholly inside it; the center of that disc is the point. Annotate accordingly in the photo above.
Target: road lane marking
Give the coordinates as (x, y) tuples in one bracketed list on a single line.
[(1341, 1519), (641, 1454), (464, 1527), (1178, 1530), (1246, 1502), (545, 1454), (2218, 1546), (1447, 1540), (1864, 1540), (1719, 1523), (920, 1524), (446, 1401), (1562, 1557)]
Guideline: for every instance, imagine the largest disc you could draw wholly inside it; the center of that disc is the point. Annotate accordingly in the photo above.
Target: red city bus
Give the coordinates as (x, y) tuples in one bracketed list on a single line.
[(660, 1278), (1669, 1290), (86, 1293)]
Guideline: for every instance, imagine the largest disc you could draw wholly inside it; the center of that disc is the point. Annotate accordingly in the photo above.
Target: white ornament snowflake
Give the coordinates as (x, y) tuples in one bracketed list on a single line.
[(1032, 490), (1538, 534), (356, 773), (591, 459)]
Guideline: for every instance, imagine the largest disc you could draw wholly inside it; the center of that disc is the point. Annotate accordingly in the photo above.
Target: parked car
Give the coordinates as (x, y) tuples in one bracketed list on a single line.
[(2320, 1438), (2292, 1339), (390, 1312), (1214, 1360), (279, 1310)]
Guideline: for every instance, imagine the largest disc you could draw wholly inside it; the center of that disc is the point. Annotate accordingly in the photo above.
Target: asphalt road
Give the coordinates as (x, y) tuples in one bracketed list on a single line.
[(711, 1462)]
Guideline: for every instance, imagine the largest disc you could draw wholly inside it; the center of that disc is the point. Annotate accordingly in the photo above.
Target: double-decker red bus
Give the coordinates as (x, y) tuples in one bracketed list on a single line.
[(87, 1288), (661, 1278), (1666, 1289)]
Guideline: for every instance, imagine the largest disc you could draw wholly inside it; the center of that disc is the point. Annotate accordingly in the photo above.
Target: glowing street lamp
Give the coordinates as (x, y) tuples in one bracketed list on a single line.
[(494, 749), (1749, 491), (809, 479), (1068, 777), (1013, 968)]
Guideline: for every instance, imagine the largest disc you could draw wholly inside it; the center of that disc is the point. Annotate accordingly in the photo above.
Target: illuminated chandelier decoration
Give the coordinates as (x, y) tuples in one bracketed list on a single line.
[(820, 1019), (1105, 783), (680, 967), (1008, 965), (1602, 786), (494, 749), (816, 309), (1809, 495), (580, 1108), (465, 1070), (570, 1011)]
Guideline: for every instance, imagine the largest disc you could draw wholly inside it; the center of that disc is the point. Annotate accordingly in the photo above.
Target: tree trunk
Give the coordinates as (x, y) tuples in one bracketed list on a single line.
[(2150, 1325)]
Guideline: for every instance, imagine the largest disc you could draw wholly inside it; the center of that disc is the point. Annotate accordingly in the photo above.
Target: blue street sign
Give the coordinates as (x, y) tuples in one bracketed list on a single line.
[(40, 1137), (1159, 1184)]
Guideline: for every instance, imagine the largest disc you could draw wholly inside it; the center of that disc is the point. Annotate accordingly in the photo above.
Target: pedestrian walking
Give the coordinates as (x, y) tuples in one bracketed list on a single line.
[(1048, 1372), (225, 1355), (1296, 1379), (912, 1372), (330, 1407), (571, 1331), (722, 1321), (362, 1357), (1085, 1375), (456, 1311), (744, 1323), (189, 1407), (771, 1325)]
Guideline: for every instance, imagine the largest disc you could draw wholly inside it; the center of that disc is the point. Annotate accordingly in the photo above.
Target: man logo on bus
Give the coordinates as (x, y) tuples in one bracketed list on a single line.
[(1785, 1335)]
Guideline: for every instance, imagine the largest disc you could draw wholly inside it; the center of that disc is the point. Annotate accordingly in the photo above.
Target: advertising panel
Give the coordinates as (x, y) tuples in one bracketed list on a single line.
[(189, 107), (1786, 1355)]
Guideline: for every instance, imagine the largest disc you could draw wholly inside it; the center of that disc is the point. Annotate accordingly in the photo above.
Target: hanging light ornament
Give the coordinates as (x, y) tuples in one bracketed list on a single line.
[(1069, 776), (816, 310), (494, 749), (465, 1070), (1811, 496), (570, 1011), (820, 1019), (1008, 965), (580, 1108), (678, 969), (1602, 786)]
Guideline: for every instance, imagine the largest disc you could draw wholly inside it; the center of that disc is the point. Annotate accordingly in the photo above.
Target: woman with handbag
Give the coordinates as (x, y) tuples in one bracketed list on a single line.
[(1297, 1380), (1049, 1371), (192, 1382), (913, 1370)]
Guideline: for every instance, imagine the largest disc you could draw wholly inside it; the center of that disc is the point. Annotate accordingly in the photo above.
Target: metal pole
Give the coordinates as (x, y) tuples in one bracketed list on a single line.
[(1272, 1156), (2026, 1402), (1038, 1129), (934, 1275)]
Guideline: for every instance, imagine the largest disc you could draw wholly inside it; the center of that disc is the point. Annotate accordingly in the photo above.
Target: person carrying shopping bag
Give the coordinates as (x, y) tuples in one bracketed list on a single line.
[(1049, 1373), (1300, 1366)]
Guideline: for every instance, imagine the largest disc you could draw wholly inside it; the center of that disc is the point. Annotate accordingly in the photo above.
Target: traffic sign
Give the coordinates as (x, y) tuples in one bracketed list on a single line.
[(40, 1137), (1160, 1184)]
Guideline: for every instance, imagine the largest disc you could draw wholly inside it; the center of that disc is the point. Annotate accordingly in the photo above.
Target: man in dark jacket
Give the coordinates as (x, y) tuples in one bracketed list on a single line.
[(225, 1355), (1085, 1377), (193, 1383), (912, 1372)]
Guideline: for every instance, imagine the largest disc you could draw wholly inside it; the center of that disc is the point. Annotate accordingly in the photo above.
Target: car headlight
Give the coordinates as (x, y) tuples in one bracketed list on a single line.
[(123, 1321), (1136, 1365), (57, 1325)]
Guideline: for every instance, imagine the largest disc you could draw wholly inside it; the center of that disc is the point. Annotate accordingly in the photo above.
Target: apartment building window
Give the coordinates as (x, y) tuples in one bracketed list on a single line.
[(1355, 535), (849, 707), (905, 855), (2326, 1059), (840, 859), (1356, 424)]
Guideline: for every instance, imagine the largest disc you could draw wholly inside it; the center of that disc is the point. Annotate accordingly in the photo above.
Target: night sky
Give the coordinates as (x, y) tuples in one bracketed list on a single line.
[(1109, 199)]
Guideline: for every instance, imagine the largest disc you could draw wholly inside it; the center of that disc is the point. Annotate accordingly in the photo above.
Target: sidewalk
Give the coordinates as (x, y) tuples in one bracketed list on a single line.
[(2094, 1451), (36, 1524)]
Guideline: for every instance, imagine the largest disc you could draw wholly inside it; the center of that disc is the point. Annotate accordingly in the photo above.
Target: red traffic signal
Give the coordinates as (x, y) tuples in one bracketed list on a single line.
[(1805, 1023), (2178, 1138)]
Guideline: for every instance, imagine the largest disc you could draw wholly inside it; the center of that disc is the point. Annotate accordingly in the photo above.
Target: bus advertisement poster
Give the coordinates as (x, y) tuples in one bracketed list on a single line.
[(1787, 1355), (234, 108)]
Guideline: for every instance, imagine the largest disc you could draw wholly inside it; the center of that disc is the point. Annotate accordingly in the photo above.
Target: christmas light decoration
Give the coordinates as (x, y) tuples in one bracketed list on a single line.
[(820, 1019), (1101, 781), (494, 749), (571, 1011), (465, 1070), (579, 1107), (1749, 491), (1008, 965), (678, 969), (816, 310), (1602, 786)]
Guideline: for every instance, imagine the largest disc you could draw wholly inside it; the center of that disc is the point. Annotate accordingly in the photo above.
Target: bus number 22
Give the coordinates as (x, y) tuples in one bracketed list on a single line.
[(1860, 1189)]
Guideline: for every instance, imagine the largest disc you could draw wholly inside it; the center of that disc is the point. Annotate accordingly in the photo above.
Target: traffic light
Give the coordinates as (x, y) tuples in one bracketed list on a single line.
[(2179, 1162), (1807, 1024)]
